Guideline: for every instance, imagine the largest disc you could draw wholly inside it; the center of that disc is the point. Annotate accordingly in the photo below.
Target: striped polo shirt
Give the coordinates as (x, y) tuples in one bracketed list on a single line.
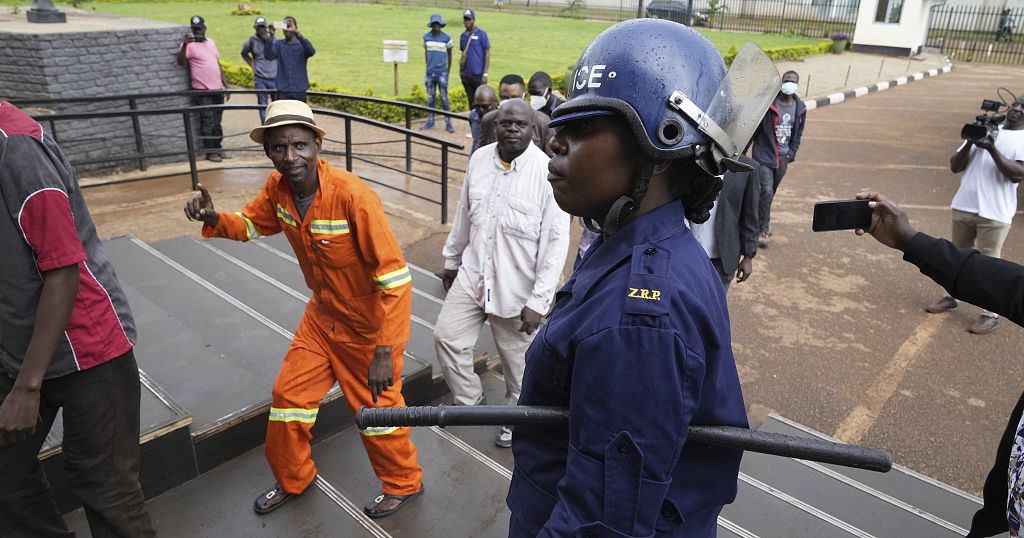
[(437, 46), (49, 227)]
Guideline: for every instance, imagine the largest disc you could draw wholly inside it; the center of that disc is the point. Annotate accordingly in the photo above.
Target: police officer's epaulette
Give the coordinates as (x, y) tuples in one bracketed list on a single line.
[(647, 290)]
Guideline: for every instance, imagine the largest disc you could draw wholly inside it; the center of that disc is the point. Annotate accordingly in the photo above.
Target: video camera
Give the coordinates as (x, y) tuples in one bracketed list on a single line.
[(984, 124)]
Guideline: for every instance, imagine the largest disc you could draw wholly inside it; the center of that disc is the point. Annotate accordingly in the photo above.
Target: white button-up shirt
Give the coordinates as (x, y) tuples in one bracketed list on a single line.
[(510, 239)]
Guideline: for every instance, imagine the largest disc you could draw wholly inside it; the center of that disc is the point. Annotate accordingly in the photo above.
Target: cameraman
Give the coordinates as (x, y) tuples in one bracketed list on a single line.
[(989, 283), (984, 205)]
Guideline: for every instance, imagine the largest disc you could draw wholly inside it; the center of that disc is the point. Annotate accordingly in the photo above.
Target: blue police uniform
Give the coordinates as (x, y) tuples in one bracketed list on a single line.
[(638, 348)]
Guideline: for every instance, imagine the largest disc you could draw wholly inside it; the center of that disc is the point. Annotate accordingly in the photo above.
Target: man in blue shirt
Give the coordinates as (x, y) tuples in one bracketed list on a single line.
[(438, 47), (476, 55), (291, 54), (264, 71)]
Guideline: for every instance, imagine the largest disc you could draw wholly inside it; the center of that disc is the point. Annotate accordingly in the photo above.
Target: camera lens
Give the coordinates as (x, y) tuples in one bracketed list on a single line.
[(973, 132)]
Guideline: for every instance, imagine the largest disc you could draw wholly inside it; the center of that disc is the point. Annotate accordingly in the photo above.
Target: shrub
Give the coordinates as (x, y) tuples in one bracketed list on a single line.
[(840, 36), (794, 52), (239, 75)]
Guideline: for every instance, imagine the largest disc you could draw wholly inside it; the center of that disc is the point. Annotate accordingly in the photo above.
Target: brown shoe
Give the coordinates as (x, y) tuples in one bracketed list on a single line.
[(271, 500), (944, 304), (214, 157), (984, 325)]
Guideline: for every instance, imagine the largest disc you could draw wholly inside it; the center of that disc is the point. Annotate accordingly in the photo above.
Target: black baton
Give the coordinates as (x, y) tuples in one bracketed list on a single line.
[(775, 444)]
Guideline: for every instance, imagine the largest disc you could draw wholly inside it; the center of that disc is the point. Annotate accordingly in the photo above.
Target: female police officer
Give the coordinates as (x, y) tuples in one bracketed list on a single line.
[(637, 345)]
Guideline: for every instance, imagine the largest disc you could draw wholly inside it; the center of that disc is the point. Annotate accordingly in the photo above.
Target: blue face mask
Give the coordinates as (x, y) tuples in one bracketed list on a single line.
[(789, 88)]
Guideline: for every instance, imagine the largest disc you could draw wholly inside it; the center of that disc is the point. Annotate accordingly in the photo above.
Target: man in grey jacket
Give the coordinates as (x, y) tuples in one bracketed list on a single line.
[(264, 71)]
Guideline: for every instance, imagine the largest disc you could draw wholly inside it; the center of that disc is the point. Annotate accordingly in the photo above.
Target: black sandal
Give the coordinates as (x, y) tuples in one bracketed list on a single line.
[(402, 500)]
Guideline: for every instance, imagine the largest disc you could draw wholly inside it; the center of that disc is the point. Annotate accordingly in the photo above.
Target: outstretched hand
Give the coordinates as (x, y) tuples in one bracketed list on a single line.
[(200, 207), (890, 224), (382, 372)]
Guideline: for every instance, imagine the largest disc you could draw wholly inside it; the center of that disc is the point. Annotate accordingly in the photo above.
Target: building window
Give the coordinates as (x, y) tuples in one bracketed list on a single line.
[(889, 11)]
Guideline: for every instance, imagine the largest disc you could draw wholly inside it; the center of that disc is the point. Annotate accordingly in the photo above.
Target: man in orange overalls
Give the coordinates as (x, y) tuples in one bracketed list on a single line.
[(356, 324)]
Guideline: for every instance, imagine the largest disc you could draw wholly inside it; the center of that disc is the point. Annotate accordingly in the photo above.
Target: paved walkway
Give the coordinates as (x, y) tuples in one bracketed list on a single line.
[(826, 74)]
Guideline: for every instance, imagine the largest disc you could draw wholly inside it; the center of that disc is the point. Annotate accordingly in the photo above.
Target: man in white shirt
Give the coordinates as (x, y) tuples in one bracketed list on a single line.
[(730, 235), (984, 205), (502, 259)]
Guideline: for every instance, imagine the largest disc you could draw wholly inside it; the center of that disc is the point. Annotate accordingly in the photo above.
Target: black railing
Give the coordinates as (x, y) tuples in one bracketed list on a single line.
[(978, 34), (140, 154)]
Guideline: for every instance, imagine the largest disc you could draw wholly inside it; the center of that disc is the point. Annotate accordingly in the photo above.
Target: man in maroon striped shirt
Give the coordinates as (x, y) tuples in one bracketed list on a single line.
[(66, 338)]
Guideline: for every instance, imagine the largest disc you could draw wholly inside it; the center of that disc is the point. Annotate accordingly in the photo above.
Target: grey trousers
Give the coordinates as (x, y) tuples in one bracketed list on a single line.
[(101, 456), (458, 327), (769, 180)]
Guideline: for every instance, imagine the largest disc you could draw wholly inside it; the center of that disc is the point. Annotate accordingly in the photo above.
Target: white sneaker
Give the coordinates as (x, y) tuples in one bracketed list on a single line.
[(504, 437)]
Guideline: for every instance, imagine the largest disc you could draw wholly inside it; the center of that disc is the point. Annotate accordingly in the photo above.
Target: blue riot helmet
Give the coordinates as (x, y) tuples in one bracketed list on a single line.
[(671, 85)]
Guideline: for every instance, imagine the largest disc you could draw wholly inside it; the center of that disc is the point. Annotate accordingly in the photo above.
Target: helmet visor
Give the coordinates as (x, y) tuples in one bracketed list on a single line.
[(744, 95)]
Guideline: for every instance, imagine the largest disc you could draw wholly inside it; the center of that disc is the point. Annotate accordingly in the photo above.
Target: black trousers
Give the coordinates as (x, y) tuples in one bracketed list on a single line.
[(101, 456), (295, 96), (209, 122), (470, 84), (991, 518)]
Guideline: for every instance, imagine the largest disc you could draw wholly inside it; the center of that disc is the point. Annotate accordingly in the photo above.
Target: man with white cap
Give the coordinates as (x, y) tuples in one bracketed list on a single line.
[(356, 324), (476, 55)]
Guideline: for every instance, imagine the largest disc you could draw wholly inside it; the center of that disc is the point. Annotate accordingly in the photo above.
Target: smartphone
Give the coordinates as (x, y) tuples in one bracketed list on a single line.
[(841, 215), (280, 25)]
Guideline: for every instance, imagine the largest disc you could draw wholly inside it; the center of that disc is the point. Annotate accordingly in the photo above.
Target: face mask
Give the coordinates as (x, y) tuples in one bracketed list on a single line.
[(789, 88), (537, 102)]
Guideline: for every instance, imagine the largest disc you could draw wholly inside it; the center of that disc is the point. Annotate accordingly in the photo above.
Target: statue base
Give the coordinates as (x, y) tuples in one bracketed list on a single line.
[(47, 16)]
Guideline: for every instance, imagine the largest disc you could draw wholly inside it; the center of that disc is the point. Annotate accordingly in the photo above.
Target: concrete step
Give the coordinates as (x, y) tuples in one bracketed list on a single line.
[(166, 446), (218, 504), (911, 488)]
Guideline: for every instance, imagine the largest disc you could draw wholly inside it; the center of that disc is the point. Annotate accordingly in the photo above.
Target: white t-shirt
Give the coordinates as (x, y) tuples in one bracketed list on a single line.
[(983, 188), (704, 233)]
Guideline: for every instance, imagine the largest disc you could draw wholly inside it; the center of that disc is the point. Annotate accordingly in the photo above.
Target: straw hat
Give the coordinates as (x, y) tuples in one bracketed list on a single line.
[(286, 112)]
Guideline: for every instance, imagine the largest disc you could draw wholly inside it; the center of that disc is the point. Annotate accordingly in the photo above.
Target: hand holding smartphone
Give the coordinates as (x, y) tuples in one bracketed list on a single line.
[(841, 215)]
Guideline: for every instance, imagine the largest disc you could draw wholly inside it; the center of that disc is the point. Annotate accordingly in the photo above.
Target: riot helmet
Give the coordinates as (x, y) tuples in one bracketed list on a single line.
[(671, 85)]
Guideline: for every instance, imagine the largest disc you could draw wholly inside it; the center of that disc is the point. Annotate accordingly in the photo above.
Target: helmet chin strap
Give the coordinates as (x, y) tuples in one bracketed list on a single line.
[(625, 204)]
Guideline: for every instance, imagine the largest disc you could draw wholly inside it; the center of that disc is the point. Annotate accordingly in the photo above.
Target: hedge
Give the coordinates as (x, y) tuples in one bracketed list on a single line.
[(238, 75), (794, 52)]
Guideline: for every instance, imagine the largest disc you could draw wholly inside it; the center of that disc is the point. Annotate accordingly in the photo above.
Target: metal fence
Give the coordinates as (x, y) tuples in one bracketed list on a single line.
[(978, 34), (812, 18), (420, 177)]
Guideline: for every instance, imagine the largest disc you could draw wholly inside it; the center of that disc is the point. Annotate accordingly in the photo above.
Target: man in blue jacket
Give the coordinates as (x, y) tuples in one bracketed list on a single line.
[(775, 145), (291, 54), (476, 55)]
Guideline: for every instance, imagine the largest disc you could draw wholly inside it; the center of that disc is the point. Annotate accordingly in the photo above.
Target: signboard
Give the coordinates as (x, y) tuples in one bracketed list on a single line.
[(396, 51)]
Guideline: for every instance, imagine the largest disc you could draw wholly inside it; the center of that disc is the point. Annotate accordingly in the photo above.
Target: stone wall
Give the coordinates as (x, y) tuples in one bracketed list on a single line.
[(54, 61)]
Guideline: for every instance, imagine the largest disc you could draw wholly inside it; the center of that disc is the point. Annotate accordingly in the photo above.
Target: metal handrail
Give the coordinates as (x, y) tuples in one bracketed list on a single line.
[(134, 113), (191, 93)]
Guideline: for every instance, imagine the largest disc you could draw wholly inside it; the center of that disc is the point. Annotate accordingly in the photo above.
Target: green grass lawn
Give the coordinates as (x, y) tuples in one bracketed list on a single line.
[(348, 37)]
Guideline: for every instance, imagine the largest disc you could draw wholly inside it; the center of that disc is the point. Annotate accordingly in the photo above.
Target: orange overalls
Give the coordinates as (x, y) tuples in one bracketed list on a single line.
[(362, 297)]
